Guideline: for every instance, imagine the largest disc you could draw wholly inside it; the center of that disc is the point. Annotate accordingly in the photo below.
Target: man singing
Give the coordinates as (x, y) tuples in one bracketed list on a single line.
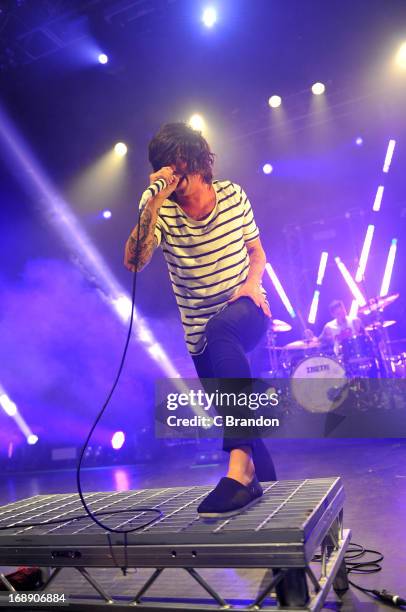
[(211, 244)]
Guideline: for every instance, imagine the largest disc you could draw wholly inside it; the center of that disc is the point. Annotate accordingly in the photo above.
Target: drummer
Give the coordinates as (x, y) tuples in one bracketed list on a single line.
[(340, 327)]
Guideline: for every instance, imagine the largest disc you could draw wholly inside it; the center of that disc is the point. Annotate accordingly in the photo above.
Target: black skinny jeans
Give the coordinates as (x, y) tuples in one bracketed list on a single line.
[(230, 334)]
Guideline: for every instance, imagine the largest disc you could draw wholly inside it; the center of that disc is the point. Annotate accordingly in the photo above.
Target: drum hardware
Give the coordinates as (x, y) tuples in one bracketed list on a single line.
[(279, 326), (319, 383), (303, 344), (276, 326), (378, 303), (379, 325)]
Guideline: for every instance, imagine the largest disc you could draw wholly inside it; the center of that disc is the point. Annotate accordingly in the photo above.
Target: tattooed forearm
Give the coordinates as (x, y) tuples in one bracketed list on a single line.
[(137, 256)]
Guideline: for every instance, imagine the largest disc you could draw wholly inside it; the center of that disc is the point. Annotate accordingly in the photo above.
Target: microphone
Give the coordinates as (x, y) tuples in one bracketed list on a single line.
[(152, 191)]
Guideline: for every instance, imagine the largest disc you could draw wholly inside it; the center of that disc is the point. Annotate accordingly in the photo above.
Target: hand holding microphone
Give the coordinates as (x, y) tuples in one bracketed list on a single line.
[(162, 183)]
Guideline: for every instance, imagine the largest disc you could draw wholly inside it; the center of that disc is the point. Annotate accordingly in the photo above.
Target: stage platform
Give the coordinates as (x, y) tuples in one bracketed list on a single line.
[(295, 530)]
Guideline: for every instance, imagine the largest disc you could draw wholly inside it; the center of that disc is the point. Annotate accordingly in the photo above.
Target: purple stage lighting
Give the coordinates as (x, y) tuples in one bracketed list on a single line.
[(388, 156), (118, 440), (388, 268), (280, 290), (102, 58), (359, 141), (58, 213), (378, 199), (106, 214), (352, 285), (365, 253), (267, 168)]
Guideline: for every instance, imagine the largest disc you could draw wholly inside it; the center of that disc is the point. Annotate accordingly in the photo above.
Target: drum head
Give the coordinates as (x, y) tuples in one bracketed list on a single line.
[(318, 384)]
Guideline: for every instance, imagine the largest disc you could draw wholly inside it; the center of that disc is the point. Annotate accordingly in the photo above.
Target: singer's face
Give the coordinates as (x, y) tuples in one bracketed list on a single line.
[(188, 182)]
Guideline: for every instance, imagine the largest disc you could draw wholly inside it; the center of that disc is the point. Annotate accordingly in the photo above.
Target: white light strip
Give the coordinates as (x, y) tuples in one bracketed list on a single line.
[(389, 154), (280, 290), (378, 199), (314, 306), (365, 253), (352, 285), (388, 268), (354, 309), (322, 268)]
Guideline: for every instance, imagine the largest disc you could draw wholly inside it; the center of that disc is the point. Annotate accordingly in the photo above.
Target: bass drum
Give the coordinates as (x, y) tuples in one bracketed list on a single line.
[(318, 383)]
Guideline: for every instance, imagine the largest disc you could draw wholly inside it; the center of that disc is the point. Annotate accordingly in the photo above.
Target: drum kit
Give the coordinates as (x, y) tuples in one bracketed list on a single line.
[(366, 354)]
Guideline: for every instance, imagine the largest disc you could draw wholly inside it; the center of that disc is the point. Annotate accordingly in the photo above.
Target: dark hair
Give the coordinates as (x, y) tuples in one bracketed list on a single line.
[(335, 304), (176, 141)]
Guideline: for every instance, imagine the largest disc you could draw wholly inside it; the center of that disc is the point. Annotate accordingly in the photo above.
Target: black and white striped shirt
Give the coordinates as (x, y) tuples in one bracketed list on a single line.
[(208, 259)]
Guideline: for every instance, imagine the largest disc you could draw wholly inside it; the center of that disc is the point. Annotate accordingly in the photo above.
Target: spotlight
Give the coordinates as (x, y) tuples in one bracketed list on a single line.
[(318, 89), (106, 214), (8, 405), (401, 56), (103, 58), (32, 439), (267, 168), (275, 101), (209, 16), (120, 149), (359, 141), (118, 440), (196, 122)]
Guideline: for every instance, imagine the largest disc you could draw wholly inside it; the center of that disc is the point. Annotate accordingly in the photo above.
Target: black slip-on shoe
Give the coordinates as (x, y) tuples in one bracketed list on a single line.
[(229, 498)]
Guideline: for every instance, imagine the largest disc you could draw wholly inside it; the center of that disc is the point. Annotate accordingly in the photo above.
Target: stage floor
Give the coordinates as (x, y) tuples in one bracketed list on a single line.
[(374, 476)]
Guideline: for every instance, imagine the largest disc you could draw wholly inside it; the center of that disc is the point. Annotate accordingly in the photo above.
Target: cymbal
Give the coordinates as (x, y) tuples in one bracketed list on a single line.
[(380, 324), (274, 348), (378, 303), (279, 326), (302, 344)]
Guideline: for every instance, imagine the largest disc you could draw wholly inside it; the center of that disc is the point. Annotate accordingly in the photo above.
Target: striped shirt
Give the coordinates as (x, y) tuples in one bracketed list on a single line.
[(208, 259)]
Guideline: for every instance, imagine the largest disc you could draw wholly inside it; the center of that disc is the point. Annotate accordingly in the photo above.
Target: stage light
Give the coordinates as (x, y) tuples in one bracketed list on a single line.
[(353, 309), (32, 439), (120, 149), (322, 268), (352, 285), (275, 101), (401, 56), (103, 58), (267, 168), (118, 440), (122, 305), (197, 122), (280, 290), (388, 156), (318, 89), (378, 199), (209, 16), (58, 213), (8, 405), (106, 214), (359, 141), (365, 253), (314, 306), (388, 268)]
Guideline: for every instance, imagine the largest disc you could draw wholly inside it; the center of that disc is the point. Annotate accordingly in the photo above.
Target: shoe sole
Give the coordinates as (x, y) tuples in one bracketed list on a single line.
[(220, 515)]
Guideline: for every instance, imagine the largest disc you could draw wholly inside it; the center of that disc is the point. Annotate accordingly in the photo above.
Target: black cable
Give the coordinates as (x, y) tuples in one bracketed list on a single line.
[(89, 512), (370, 566)]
